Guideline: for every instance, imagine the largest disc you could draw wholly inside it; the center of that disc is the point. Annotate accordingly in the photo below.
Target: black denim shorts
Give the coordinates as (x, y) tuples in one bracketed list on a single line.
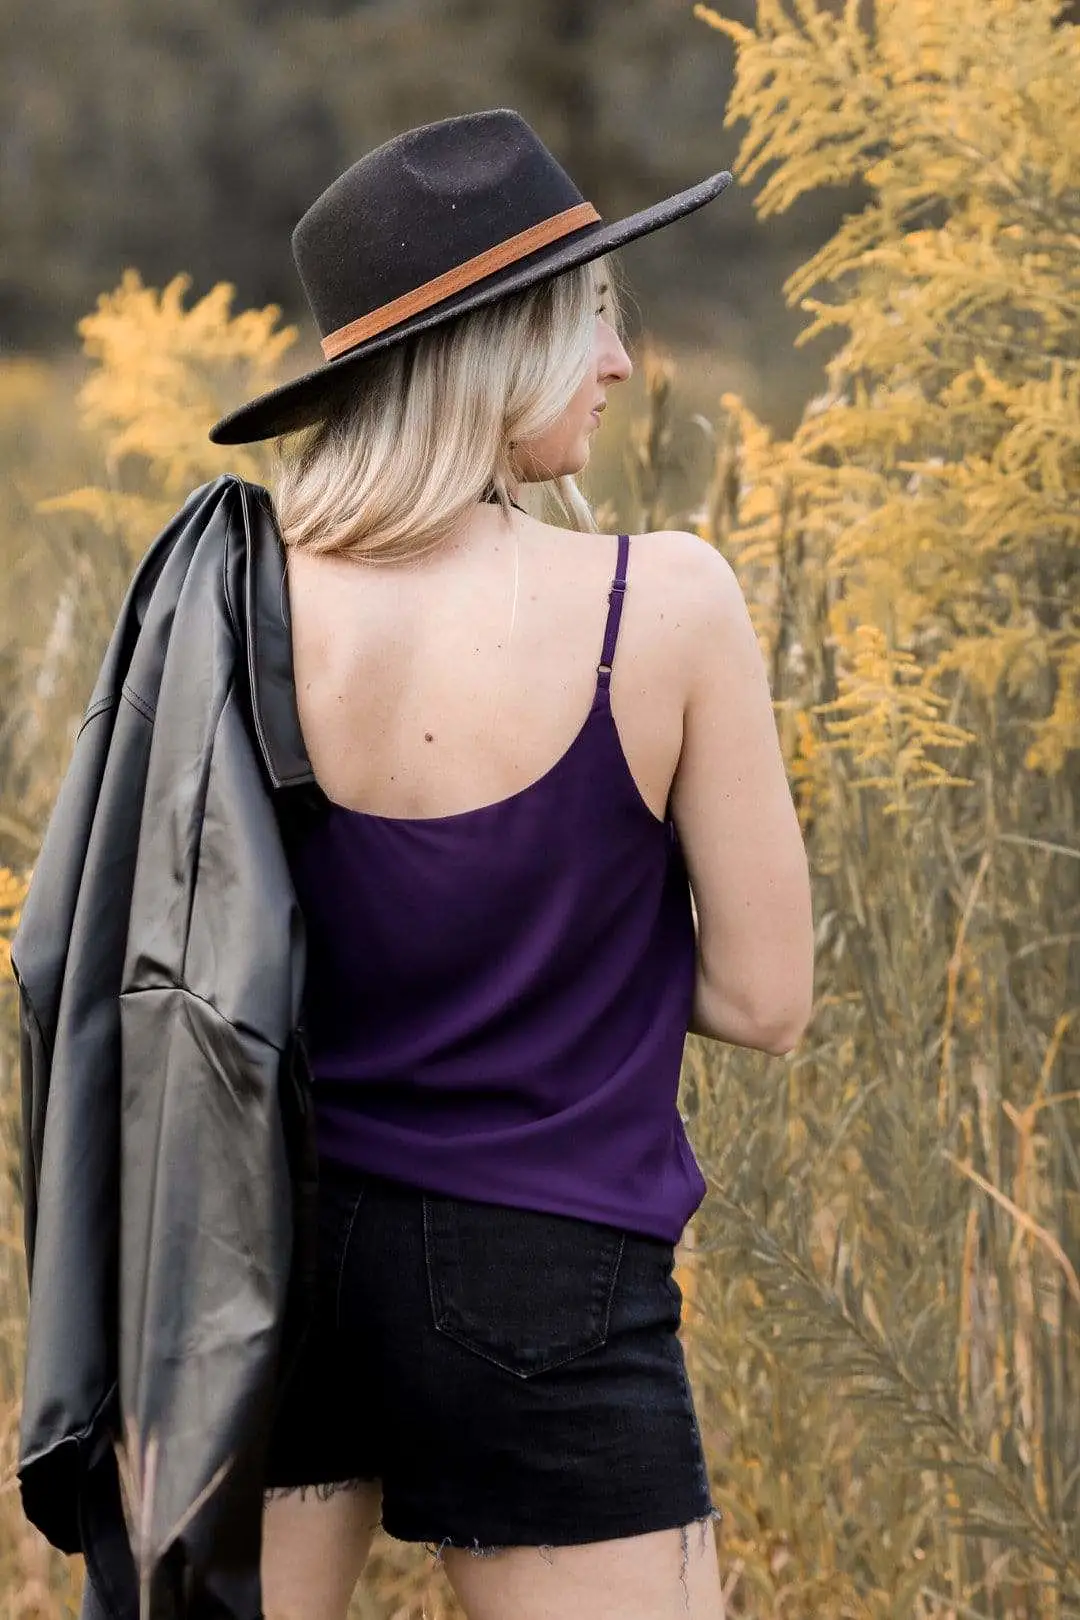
[(513, 1378)]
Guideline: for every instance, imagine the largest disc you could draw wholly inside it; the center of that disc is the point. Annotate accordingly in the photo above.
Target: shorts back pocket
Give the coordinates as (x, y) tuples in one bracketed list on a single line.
[(524, 1289)]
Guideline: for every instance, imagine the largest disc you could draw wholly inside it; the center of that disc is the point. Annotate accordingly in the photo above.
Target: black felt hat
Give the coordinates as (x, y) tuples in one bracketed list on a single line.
[(441, 219)]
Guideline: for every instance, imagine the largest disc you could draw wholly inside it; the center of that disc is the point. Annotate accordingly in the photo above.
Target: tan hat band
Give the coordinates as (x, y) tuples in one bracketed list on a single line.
[(463, 275)]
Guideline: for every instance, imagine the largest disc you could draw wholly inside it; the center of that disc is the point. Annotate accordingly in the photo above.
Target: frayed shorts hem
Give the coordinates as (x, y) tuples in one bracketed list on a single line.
[(414, 1532), (480, 1547), (322, 1490)]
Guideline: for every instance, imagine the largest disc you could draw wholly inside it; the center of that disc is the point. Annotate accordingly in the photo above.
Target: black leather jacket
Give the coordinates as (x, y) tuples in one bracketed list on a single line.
[(167, 1132)]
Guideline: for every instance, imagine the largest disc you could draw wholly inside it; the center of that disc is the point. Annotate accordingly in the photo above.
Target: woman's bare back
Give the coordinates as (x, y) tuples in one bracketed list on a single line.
[(418, 699)]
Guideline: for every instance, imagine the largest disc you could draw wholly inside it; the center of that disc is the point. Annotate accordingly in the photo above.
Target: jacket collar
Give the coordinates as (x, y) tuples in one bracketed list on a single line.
[(269, 643)]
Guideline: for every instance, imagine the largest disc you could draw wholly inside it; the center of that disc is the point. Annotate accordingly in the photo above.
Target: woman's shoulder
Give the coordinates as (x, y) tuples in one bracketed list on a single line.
[(671, 566), (670, 545), (670, 574), (670, 563)]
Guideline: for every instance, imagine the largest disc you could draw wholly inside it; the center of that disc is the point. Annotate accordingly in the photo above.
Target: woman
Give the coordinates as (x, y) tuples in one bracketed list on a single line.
[(520, 798)]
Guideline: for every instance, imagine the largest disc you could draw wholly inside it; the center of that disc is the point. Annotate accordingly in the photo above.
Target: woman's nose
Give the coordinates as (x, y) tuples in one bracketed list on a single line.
[(618, 366)]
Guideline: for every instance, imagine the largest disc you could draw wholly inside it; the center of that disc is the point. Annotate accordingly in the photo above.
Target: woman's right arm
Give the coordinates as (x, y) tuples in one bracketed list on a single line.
[(736, 821)]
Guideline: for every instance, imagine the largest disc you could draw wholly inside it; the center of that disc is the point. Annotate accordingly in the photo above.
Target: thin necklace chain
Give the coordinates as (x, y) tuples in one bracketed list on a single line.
[(510, 635), (513, 619), (488, 499)]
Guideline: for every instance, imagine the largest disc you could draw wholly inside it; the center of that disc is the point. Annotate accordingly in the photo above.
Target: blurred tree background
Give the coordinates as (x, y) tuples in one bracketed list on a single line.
[(136, 132)]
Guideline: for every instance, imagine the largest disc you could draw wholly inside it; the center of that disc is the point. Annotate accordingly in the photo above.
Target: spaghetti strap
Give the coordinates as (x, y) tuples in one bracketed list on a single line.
[(611, 629)]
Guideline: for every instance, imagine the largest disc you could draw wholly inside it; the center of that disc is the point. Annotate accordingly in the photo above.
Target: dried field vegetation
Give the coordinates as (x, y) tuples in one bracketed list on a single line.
[(882, 1290)]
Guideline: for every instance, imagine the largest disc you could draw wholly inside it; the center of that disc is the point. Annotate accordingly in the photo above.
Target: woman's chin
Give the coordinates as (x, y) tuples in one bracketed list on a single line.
[(571, 464)]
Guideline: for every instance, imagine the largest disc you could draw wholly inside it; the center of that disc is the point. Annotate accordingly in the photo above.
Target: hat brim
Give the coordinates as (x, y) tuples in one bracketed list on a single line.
[(306, 399)]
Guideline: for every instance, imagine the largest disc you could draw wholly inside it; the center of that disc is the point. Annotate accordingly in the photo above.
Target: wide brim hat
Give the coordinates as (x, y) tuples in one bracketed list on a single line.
[(439, 220)]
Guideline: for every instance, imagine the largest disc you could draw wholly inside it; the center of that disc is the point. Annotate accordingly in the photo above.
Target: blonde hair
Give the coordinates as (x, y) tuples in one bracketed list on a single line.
[(431, 425)]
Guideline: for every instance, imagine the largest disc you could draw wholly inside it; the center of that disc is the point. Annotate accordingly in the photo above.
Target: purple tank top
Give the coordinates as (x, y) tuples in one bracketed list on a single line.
[(496, 1001)]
